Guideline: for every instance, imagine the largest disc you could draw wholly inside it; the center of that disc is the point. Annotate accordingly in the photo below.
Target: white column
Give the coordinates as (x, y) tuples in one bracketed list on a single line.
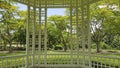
[(71, 42), (27, 35), (83, 32), (33, 35), (39, 36), (89, 33), (77, 31), (45, 43)]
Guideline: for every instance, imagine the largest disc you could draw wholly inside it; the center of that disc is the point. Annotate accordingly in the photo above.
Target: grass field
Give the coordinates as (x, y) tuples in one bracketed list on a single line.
[(62, 58)]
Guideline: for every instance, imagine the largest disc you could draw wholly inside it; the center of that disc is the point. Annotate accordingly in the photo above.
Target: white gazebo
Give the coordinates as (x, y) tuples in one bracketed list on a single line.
[(37, 15), (39, 7)]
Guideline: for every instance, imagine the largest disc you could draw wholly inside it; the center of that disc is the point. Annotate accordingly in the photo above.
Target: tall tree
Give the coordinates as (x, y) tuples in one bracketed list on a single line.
[(103, 20), (8, 13), (61, 25), (21, 28)]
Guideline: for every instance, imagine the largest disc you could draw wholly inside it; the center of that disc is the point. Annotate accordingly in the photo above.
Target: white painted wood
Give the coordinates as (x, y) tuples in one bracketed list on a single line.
[(89, 33), (77, 33), (33, 34), (27, 36), (60, 65), (39, 35), (85, 12), (71, 40), (45, 42), (55, 2), (83, 34)]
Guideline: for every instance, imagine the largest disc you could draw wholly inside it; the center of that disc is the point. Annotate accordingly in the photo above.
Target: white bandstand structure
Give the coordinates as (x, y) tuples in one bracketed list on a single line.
[(76, 58)]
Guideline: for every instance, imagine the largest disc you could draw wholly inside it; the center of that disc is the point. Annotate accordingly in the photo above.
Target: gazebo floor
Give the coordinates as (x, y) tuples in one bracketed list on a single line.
[(58, 66)]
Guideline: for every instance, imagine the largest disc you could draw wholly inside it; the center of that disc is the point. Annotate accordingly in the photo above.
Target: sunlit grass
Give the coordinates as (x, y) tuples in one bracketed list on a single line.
[(55, 57)]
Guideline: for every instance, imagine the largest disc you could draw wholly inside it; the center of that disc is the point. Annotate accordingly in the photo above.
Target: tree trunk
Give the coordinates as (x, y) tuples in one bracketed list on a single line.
[(97, 47), (10, 47), (5, 46), (65, 46), (17, 44)]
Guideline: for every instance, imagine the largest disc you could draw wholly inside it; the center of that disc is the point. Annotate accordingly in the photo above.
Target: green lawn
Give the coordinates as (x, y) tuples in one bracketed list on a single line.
[(63, 59), (6, 53)]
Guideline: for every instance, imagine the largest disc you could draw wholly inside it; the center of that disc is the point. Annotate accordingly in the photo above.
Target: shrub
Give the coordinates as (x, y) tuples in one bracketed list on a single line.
[(93, 46), (58, 47), (105, 46)]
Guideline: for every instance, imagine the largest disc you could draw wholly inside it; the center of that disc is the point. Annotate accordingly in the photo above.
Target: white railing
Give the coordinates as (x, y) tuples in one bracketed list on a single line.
[(12, 61), (97, 60), (105, 60)]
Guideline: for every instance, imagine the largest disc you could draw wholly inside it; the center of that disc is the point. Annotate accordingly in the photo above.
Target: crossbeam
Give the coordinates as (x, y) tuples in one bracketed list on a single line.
[(55, 3)]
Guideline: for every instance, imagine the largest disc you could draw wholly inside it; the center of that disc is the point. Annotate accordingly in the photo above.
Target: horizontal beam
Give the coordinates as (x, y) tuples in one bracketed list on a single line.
[(59, 65), (56, 3)]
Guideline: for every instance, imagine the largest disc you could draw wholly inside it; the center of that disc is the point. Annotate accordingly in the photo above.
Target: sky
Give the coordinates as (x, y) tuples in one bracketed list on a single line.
[(50, 12)]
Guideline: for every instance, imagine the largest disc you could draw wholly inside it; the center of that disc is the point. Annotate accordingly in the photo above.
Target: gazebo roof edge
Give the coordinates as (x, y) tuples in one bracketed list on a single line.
[(56, 3)]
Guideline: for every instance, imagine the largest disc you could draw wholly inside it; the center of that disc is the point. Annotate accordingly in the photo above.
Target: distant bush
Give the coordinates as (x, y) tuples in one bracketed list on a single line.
[(1, 48), (19, 48), (104, 46), (58, 47), (93, 46)]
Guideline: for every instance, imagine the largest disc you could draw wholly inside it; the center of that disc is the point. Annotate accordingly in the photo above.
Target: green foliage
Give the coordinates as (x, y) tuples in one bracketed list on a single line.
[(105, 21), (58, 47), (57, 30), (105, 46), (12, 23), (116, 42), (8, 22), (53, 35), (93, 46)]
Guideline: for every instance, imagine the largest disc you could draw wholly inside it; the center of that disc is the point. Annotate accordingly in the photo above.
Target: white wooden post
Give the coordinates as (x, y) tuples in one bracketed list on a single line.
[(39, 36), (33, 35), (83, 33), (89, 33), (45, 43), (71, 42), (77, 31), (27, 35)]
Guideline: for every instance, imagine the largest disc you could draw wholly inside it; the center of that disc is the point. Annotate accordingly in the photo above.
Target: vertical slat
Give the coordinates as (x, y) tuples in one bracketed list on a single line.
[(89, 33), (83, 35), (6, 63), (39, 36), (33, 37), (77, 31), (15, 64), (1, 61), (101, 62), (10, 60), (27, 35), (119, 62), (105, 65), (97, 63), (71, 42), (45, 43)]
